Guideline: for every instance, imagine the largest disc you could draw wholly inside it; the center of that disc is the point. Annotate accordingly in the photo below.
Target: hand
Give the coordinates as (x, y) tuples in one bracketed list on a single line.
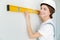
[(26, 14)]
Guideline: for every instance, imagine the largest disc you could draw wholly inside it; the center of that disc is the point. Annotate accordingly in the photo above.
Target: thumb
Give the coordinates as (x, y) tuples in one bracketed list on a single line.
[(26, 13)]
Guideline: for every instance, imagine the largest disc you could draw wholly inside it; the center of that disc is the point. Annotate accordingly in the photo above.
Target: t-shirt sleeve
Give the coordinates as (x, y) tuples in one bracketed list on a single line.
[(45, 29)]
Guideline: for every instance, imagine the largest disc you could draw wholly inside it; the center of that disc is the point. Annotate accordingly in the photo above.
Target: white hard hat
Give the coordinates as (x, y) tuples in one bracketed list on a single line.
[(49, 2)]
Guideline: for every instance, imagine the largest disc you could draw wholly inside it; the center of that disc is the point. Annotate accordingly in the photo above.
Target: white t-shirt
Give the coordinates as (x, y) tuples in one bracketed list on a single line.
[(47, 30)]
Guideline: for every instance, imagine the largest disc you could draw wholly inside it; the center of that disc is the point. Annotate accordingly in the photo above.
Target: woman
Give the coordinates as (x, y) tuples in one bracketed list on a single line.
[(46, 31)]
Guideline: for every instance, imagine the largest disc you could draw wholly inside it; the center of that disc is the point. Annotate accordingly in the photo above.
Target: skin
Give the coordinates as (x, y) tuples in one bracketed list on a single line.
[(43, 15)]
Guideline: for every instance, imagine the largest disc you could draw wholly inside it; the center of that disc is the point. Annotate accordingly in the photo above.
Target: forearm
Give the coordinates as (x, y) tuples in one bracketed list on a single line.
[(29, 27)]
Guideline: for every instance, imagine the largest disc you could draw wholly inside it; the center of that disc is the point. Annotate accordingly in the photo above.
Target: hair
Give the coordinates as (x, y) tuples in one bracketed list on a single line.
[(51, 9)]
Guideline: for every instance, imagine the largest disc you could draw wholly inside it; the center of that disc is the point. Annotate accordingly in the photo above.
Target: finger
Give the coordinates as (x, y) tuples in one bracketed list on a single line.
[(25, 13)]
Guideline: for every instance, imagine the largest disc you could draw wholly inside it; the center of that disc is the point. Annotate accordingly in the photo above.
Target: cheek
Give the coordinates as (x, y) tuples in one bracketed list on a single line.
[(43, 13), (47, 12)]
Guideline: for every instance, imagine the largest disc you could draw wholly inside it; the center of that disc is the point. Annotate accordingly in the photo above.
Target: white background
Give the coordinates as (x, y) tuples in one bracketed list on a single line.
[(13, 24)]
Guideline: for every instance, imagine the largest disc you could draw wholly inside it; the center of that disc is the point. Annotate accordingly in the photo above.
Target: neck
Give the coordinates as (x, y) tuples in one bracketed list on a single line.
[(45, 19)]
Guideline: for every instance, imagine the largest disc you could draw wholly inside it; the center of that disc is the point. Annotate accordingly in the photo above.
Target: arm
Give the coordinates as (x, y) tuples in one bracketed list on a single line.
[(30, 32)]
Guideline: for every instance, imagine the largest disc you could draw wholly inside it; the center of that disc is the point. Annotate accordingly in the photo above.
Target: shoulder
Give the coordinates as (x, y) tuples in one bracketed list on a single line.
[(46, 26)]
